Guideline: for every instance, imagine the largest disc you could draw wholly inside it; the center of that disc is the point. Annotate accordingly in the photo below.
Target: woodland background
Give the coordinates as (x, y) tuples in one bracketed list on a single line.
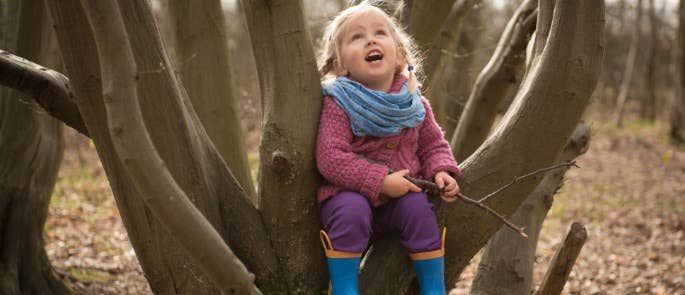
[(628, 192)]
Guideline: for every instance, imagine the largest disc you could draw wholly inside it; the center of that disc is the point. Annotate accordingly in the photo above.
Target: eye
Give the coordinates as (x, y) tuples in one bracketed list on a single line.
[(381, 32), (356, 36)]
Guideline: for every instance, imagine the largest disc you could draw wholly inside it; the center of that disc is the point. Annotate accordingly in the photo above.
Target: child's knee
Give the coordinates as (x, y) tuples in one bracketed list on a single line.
[(348, 208), (415, 205)]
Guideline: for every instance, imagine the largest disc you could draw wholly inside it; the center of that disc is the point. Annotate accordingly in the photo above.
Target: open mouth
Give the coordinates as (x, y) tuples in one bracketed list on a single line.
[(374, 56)]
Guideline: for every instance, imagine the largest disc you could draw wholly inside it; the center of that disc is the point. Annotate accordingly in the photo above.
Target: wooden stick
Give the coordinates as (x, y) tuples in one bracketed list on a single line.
[(563, 261), (431, 187)]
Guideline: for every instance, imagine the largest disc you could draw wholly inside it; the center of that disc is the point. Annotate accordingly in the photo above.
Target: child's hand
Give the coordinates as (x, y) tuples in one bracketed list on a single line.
[(395, 185), (449, 186)]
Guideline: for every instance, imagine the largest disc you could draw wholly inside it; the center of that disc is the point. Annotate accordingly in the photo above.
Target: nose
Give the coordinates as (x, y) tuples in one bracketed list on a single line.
[(372, 42)]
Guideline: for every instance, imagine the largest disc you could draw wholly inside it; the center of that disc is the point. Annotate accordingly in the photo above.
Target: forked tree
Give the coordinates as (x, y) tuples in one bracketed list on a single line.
[(191, 223)]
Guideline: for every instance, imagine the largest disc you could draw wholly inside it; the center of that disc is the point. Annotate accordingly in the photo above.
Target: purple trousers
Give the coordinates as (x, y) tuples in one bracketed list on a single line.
[(350, 222)]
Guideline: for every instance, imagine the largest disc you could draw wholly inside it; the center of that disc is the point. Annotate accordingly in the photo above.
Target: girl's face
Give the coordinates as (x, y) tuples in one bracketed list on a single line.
[(368, 52)]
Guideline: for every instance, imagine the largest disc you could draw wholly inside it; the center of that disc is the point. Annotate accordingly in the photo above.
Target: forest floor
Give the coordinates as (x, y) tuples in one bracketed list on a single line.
[(629, 193)]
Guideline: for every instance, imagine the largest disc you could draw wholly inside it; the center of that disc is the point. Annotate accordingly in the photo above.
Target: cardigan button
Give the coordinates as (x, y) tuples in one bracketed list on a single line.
[(391, 144)]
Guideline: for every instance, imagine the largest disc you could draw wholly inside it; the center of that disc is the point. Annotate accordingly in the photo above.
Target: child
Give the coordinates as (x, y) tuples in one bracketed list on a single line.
[(375, 128)]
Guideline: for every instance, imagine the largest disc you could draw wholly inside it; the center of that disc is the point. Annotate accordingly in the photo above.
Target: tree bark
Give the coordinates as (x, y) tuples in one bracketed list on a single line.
[(648, 105), (32, 147), (132, 143), (563, 260), (549, 105), (48, 88), (442, 54), (207, 73), (508, 260), (631, 59), (543, 25), (426, 19), (290, 88), (182, 144), (677, 122), (495, 82)]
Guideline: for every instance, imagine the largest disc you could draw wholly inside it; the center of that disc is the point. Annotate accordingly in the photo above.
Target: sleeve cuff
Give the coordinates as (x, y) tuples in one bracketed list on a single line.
[(452, 169), (371, 187)]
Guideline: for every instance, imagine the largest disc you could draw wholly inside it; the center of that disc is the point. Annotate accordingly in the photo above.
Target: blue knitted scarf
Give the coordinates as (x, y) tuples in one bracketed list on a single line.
[(374, 112)]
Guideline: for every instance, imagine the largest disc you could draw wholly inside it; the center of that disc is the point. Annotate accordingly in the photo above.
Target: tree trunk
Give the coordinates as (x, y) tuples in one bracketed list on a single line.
[(507, 263), (32, 147), (648, 105), (426, 19), (182, 144), (288, 178), (549, 105), (132, 143), (495, 82), (459, 74), (677, 129), (631, 59), (444, 53), (207, 74)]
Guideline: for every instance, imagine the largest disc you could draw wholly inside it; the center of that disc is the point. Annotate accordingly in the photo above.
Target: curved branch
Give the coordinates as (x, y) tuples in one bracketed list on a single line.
[(218, 195), (497, 79), (133, 145), (440, 56), (447, 40), (542, 27), (426, 19), (50, 89), (549, 105), (207, 75)]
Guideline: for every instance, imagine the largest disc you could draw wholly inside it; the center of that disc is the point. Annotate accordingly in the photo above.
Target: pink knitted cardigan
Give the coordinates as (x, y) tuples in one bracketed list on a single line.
[(351, 163)]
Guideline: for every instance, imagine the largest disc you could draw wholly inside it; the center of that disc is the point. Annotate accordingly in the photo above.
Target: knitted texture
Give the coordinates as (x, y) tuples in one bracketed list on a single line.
[(351, 163), (374, 112)]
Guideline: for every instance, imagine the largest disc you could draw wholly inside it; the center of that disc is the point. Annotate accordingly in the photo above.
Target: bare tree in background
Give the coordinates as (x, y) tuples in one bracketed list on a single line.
[(648, 103), (628, 71), (677, 132), (192, 225)]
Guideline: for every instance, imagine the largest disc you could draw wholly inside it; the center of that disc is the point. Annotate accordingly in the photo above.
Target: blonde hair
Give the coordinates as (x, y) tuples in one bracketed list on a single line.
[(330, 49)]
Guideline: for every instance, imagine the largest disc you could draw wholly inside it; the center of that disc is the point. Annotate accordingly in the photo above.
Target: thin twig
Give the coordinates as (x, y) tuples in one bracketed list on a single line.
[(431, 187), (520, 230), (519, 178)]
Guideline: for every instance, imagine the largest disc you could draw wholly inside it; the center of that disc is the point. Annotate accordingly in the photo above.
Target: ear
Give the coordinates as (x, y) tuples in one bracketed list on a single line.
[(339, 69), (401, 61)]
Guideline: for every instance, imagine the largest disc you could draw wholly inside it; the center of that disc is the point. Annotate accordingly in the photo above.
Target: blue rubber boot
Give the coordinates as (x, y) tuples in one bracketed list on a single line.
[(431, 275), (343, 267), (430, 269)]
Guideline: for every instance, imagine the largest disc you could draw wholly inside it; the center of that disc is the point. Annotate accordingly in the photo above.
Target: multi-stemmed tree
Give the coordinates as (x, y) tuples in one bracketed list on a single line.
[(187, 206)]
